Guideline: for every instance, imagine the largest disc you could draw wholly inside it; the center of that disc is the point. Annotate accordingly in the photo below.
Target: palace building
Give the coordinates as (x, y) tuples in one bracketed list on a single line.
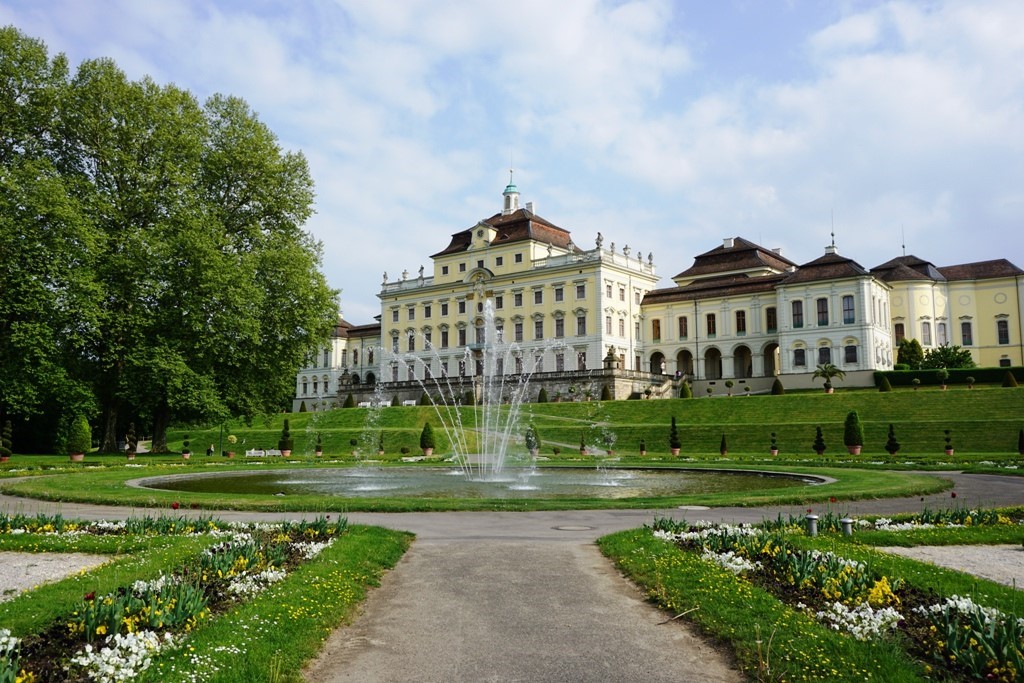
[(582, 319)]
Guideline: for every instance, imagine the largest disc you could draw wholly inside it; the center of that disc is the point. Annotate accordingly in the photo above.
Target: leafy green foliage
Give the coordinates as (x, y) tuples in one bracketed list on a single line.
[(285, 443), (424, 399), (910, 353), (606, 393), (819, 441), (685, 391), (542, 395), (723, 447), (673, 435), (1009, 380), (777, 388), (884, 384), (532, 438), (5, 440), (427, 436), (79, 439), (892, 446), (828, 371), (947, 356), (350, 402)]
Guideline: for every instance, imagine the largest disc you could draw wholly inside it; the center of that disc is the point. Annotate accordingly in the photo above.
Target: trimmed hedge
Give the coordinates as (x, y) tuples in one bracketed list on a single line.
[(905, 378)]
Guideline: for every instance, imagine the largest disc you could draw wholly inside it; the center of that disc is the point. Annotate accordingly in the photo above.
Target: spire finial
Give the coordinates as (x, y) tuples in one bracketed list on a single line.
[(903, 239), (833, 228)]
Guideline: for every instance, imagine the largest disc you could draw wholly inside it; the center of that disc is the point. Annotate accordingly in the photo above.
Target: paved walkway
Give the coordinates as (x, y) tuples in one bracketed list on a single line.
[(525, 596)]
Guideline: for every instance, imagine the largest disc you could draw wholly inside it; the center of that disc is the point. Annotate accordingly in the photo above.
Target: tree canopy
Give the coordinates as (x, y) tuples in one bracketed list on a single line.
[(947, 356), (155, 263)]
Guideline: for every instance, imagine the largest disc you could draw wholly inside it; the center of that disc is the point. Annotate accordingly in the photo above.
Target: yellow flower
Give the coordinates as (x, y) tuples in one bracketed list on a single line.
[(101, 629)]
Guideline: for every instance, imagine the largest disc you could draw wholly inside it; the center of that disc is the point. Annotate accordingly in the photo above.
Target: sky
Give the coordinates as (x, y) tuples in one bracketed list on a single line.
[(664, 125)]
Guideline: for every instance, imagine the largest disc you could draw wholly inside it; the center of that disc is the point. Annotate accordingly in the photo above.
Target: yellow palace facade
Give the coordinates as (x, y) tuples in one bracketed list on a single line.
[(581, 319)]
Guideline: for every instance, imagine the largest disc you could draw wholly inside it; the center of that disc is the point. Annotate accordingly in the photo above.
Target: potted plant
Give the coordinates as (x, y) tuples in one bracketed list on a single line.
[(892, 446), (943, 375), (710, 391), (186, 452), (949, 441), (853, 433), (427, 439), (774, 447), (318, 450), (285, 443), (232, 440), (674, 443), (556, 450), (79, 439), (723, 448), (583, 444), (916, 382), (380, 444), (819, 441), (827, 372), (532, 441), (729, 384), (643, 445), (5, 442), (353, 443), (609, 443), (970, 382), (746, 389)]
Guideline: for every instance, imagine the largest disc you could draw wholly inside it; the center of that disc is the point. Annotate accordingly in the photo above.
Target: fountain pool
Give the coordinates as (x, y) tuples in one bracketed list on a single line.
[(450, 483)]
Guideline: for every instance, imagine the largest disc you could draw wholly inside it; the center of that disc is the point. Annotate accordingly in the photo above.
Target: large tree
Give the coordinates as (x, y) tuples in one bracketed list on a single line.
[(179, 283), (947, 356)]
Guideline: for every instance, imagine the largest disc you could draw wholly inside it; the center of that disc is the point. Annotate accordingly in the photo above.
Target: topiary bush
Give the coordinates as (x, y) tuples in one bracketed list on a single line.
[(853, 430), (532, 439), (427, 436), (131, 442), (673, 436), (819, 441), (892, 446), (394, 401), (685, 391), (723, 447), (1009, 380), (1020, 442), (469, 399), (606, 393), (285, 443), (542, 395), (350, 402), (5, 440), (884, 384), (424, 399), (777, 388), (79, 436)]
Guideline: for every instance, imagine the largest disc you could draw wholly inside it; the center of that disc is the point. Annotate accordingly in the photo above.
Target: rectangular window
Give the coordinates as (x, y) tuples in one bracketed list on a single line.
[(538, 329), (636, 330), (412, 342), (822, 305), (622, 327), (394, 373), (462, 368), (581, 325), (499, 365), (499, 302), (444, 339), (462, 267), (1003, 331), (966, 334), (519, 258), (608, 290), (462, 307), (479, 334), (444, 309), (412, 313), (427, 337), (824, 355), (581, 291), (926, 334), (499, 260), (656, 330), (622, 293), (800, 358), (741, 322), (444, 368), (712, 325), (518, 327), (538, 296), (499, 332), (581, 360), (517, 299), (519, 365), (899, 332), (444, 270), (559, 294), (850, 354), (607, 324), (848, 316), (480, 264), (940, 333), (798, 314), (559, 362), (394, 344), (559, 328), (327, 358), (462, 336), (426, 310), (410, 373), (538, 363), (636, 297), (771, 320), (394, 316)]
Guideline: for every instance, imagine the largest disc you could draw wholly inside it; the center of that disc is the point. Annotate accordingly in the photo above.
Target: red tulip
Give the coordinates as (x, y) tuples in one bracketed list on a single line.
[(175, 505)]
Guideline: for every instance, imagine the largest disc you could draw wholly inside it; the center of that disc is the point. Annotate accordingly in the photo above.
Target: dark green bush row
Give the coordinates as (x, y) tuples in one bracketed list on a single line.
[(905, 378)]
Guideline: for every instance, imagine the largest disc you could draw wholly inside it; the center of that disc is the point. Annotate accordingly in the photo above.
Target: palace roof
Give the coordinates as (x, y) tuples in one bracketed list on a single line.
[(907, 268), (981, 270), (831, 266), (735, 255), (713, 287), (519, 226)]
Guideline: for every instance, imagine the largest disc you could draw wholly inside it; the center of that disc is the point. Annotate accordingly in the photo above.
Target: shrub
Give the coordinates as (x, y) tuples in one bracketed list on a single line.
[(853, 430), (404, 450), (970, 382), (427, 436), (79, 436), (606, 393), (892, 446), (556, 450), (777, 388), (319, 444), (819, 441), (948, 438), (394, 401), (350, 402), (643, 442), (532, 439), (302, 407), (285, 442), (673, 435), (900, 367), (774, 444), (1009, 380), (469, 399), (424, 399), (943, 375), (1020, 442), (723, 447), (884, 384), (542, 395), (583, 442), (685, 391), (131, 442), (184, 444)]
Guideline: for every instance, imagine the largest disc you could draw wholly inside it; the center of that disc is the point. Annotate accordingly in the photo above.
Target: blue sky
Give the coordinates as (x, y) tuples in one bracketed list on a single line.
[(665, 125)]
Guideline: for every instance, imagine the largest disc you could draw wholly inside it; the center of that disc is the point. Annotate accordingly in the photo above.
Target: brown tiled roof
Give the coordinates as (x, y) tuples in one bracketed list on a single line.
[(981, 270), (341, 328), (897, 269), (828, 267), (371, 330), (742, 255), (709, 288), (517, 226)]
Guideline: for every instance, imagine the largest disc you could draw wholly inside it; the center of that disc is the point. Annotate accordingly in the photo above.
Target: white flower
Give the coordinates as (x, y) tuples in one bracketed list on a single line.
[(863, 622)]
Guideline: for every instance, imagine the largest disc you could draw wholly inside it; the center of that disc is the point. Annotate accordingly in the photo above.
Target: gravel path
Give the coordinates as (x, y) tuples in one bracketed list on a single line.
[(22, 571), (1001, 563)]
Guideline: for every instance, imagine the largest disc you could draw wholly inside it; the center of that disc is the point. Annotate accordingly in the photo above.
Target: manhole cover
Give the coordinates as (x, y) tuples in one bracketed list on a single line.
[(574, 528), (694, 507)]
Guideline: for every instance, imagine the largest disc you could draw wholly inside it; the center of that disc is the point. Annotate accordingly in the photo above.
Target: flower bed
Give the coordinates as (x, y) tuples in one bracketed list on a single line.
[(964, 639), (116, 636)]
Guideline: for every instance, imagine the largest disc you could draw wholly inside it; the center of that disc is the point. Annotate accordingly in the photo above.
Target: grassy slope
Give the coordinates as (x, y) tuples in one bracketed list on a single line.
[(983, 420)]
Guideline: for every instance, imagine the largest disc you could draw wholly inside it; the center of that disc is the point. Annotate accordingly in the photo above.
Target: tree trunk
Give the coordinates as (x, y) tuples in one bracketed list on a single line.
[(160, 424), (109, 443)]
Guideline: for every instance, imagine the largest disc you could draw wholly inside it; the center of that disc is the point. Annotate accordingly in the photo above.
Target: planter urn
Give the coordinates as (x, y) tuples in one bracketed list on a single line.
[(854, 450), (76, 457), (675, 451)]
